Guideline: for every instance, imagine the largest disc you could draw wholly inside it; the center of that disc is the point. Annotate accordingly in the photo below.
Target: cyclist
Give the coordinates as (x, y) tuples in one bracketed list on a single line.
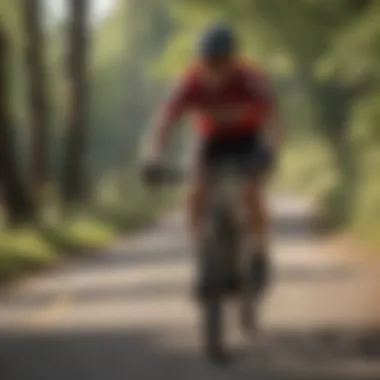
[(235, 118)]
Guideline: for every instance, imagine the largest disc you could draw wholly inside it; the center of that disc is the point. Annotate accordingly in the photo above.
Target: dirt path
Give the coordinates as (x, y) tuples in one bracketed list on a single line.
[(127, 313)]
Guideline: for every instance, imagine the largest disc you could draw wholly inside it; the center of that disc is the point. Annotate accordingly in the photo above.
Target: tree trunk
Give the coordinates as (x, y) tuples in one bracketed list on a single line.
[(18, 204), (37, 96), (74, 171)]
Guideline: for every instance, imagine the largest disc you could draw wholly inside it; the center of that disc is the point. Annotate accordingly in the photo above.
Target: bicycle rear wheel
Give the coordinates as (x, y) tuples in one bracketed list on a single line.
[(215, 266), (213, 309)]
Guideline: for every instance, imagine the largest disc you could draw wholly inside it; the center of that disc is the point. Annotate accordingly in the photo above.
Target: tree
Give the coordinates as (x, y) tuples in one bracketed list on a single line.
[(17, 203), (74, 164), (34, 48)]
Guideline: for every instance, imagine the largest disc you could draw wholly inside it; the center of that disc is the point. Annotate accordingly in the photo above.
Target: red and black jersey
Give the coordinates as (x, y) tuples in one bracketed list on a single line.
[(245, 87)]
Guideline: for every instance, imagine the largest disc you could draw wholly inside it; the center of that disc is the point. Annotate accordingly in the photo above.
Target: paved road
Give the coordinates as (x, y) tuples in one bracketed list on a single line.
[(126, 313)]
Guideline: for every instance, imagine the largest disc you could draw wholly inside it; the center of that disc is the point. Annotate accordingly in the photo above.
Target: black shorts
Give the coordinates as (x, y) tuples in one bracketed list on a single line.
[(246, 152)]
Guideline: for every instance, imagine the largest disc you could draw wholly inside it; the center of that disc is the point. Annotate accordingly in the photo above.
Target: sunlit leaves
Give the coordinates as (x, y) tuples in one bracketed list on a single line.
[(354, 53)]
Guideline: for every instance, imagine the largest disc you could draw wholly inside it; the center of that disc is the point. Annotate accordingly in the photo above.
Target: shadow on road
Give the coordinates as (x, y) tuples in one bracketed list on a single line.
[(320, 354), (118, 354)]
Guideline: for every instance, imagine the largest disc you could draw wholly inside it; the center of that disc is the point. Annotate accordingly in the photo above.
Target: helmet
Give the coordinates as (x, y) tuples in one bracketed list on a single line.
[(217, 41)]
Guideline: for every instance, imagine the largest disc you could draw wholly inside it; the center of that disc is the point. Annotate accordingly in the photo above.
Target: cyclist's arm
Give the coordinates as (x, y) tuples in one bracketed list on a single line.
[(265, 109), (166, 118)]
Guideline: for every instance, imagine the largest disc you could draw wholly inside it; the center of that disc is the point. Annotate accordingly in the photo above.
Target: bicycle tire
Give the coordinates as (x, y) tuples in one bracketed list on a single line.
[(216, 272), (213, 304)]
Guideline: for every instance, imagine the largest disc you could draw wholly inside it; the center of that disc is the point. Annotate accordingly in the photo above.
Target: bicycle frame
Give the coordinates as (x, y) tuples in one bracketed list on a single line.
[(224, 204)]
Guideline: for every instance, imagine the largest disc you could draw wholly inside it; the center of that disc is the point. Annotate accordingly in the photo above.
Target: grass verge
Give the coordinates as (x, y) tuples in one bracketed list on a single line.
[(25, 249)]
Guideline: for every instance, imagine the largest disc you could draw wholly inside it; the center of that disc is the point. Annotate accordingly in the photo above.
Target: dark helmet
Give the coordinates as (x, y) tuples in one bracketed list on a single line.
[(217, 41)]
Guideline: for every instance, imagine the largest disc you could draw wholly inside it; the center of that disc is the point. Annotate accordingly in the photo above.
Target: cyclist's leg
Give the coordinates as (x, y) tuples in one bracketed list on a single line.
[(256, 161)]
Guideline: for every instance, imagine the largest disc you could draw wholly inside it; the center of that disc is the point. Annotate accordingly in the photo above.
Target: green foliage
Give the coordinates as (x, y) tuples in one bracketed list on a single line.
[(22, 250)]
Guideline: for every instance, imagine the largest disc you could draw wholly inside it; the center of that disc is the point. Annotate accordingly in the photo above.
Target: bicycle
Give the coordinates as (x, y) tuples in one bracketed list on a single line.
[(226, 237)]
